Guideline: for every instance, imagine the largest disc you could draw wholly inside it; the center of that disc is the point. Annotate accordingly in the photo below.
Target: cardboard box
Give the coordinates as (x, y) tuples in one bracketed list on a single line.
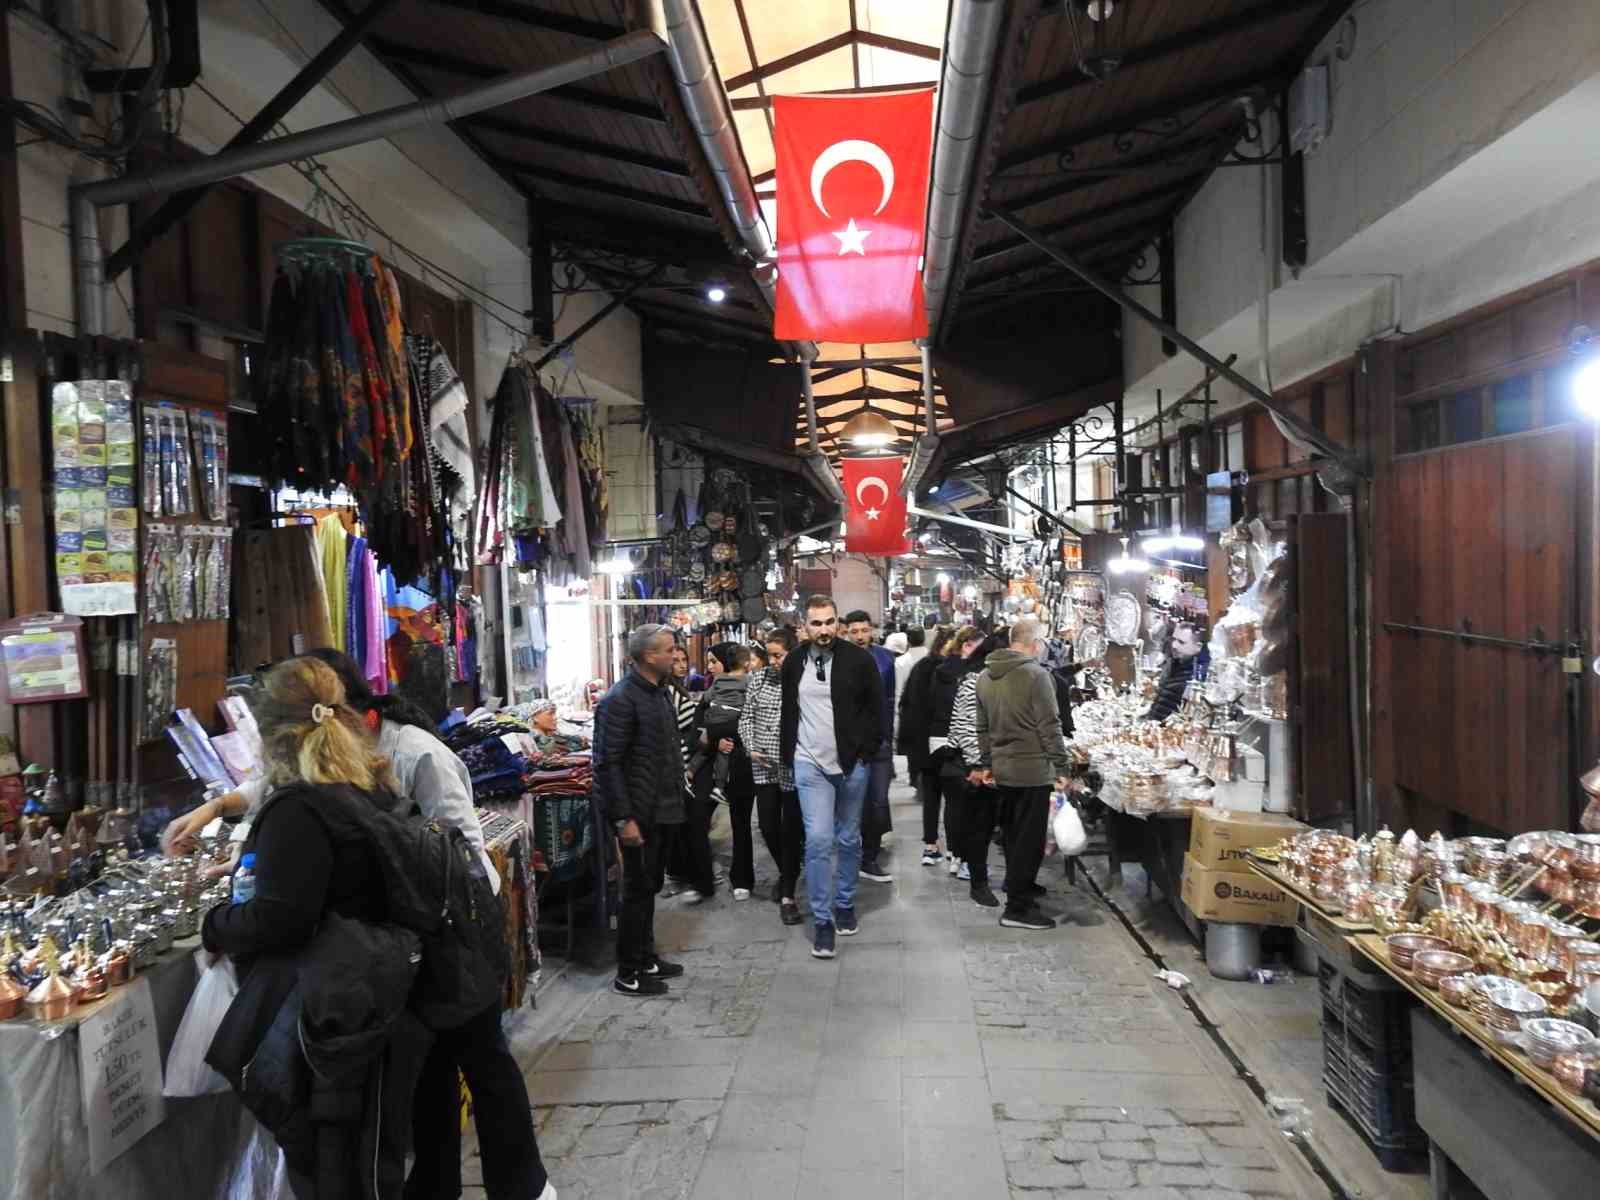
[(1240, 898), (1219, 838)]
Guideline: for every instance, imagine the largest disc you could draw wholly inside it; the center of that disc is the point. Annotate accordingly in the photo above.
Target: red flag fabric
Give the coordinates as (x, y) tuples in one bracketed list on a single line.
[(852, 194), (875, 521)]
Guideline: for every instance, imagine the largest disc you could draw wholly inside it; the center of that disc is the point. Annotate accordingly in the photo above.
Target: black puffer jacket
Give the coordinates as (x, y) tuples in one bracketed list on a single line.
[(916, 714), (942, 692), (638, 766)]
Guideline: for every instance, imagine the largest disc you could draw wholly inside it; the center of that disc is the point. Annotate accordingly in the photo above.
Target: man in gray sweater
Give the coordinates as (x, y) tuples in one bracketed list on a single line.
[(1021, 747)]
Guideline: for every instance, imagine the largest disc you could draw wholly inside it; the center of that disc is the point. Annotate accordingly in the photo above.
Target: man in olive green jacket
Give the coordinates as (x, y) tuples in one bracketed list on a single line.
[(1021, 747)]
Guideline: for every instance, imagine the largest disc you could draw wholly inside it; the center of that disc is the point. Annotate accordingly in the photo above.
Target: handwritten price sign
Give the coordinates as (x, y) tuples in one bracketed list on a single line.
[(119, 1061)]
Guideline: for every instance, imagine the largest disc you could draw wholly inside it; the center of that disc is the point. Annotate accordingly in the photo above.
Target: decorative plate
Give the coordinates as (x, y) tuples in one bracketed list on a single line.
[(1122, 619), (1090, 645)]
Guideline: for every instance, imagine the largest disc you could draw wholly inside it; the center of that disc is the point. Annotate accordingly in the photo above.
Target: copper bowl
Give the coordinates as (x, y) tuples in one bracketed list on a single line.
[(1403, 947), (1458, 990), (1586, 855), (1547, 1037), (1510, 1008), (1431, 967), (1572, 1069), (1564, 939), (1479, 1003), (1509, 915)]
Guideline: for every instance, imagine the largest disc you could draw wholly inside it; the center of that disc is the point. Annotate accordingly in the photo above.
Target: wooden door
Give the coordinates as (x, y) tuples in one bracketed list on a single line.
[(1482, 538), (1322, 618)]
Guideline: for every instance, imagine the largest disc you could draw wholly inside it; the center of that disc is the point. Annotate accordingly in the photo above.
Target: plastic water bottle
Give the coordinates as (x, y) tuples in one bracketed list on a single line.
[(244, 879)]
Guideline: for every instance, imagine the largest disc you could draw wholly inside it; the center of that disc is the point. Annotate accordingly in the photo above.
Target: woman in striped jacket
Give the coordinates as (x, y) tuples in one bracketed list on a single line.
[(960, 777), (777, 802)]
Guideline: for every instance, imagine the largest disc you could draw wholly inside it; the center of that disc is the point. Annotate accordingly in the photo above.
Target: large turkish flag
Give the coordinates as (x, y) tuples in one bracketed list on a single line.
[(875, 521), (852, 197)]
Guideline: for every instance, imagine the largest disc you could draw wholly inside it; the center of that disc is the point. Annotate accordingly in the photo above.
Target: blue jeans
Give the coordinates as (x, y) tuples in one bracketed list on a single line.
[(831, 806)]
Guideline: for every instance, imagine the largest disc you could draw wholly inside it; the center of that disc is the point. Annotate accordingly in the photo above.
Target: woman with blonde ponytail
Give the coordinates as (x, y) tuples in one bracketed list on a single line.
[(316, 751)]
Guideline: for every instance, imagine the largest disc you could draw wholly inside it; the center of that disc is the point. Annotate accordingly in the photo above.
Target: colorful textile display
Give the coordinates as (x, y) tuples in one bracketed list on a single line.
[(509, 842), (545, 497)]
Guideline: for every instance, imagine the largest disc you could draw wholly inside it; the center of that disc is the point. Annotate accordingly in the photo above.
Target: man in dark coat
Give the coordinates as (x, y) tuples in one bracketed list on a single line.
[(638, 774), (831, 728)]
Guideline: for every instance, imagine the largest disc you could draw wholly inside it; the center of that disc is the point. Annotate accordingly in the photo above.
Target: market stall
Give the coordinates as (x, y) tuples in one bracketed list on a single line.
[(1490, 945)]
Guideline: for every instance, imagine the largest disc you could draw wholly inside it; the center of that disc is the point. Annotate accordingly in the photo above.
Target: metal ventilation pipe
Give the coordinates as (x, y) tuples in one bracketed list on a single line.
[(706, 101), (712, 118), (969, 47)]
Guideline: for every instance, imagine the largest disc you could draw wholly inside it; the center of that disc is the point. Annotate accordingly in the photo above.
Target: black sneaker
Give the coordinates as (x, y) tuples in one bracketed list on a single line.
[(637, 983), (845, 920), (931, 856), (777, 893), (1029, 919), (662, 969), (875, 872), (822, 946), (789, 912), (984, 898)]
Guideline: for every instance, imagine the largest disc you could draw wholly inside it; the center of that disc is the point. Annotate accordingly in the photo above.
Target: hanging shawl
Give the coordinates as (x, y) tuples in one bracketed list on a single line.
[(360, 466), (375, 387), (444, 399), (391, 338), (332, 333), (575, 529), (548, 502)]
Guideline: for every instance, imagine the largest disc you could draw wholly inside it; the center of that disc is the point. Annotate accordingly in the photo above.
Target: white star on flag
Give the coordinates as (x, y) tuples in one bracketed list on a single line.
[(852, 240), (872, 514)]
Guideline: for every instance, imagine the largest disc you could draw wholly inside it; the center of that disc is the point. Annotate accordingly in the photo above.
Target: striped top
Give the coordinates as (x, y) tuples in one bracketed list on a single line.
[(964, 721)]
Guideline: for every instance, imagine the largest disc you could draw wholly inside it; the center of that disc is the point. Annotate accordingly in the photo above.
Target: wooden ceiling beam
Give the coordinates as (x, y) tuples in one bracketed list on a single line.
[(751, 103), (536, 174), (656, 307), (410, 56), (761, 71), (839, 41), (1160, 158), (537, 18), (1103, 251), (663, 243), (1166, 49), (562, 141), (1166, 108)]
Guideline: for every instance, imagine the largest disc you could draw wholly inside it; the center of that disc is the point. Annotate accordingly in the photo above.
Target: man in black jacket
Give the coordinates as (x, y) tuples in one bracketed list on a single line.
[(831, 727), (638, 774)]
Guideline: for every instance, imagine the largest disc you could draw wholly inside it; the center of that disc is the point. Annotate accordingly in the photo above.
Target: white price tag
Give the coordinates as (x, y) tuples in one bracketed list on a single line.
[(119, 1062)]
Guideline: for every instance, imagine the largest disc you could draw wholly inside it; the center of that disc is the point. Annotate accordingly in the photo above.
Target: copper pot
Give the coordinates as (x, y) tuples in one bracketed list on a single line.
[(1564, 939), (1586, 856), (12, 995), (1531, 935)]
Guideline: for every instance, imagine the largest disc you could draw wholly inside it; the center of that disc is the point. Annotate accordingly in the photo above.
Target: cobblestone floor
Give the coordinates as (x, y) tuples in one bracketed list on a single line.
[(938, 1055)]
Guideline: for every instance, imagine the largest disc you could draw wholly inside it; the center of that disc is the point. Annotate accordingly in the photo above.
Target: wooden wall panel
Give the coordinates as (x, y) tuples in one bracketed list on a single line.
[(1327, 761)]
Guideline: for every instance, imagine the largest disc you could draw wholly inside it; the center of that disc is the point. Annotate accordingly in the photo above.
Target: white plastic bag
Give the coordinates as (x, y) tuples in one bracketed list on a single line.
[(188, 1073), (1068, 829)]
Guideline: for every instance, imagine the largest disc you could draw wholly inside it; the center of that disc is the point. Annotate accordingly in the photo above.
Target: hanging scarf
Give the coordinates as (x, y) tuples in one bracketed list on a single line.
[(375, 388)]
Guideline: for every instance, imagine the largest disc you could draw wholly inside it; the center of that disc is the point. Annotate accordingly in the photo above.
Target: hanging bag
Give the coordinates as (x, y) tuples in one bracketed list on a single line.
[(1067, 826), (187, 1072)]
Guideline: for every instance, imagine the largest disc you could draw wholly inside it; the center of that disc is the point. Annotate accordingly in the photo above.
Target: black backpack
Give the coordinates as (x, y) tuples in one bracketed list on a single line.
[(436, 887)]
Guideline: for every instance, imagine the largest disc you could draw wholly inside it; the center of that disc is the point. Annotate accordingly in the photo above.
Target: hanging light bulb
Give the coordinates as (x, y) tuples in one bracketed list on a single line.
[(1124, 564), (868, 428), (1176, 540)]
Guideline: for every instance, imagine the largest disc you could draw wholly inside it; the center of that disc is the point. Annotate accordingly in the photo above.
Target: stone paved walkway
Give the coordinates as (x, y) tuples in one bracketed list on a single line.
[(938, 1056)]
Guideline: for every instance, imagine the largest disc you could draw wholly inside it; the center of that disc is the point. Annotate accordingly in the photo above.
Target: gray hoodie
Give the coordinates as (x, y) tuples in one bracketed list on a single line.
[(1019, 726)]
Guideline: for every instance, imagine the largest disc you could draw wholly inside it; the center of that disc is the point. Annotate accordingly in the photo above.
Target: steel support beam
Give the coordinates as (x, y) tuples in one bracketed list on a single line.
[(616, 302), (175, 208), (542, 19), (927, 392), (1165, 191), (432, 60), (1166, 246), (87, 199), (1292, 195), (541, 276), (1312, 436)]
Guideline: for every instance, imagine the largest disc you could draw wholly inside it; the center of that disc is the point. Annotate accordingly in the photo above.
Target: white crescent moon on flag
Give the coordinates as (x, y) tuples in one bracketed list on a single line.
[(852, 150), (872, 481)]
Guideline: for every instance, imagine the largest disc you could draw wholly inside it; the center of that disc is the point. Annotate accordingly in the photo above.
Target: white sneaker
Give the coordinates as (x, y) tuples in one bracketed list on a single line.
[(964, 872), (953, 863), (741, 893), (549, 1192)]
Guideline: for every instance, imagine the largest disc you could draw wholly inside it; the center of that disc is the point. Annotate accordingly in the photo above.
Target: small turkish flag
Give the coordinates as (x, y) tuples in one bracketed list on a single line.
[(852, 195), (875, 521)]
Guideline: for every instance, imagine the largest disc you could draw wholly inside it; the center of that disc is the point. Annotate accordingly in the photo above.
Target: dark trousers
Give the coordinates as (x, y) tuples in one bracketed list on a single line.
[(875, 821), (743, 872), (969, 818), (783, 829), (1024, 812), (690, 858), (512, 1169), (641, 880), (928, 792)]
